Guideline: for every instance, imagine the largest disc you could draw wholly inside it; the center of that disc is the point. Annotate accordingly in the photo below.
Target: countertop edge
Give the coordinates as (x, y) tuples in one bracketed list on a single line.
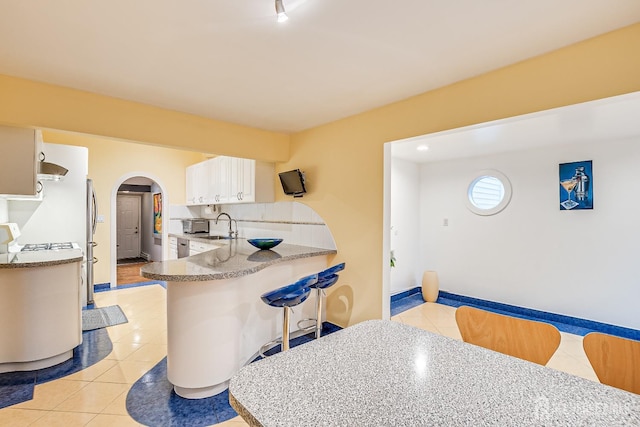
[(233, 274), (243, 412), (40, 263)]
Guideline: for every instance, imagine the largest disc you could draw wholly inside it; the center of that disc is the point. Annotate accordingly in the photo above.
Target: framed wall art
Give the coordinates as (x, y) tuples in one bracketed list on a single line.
[(157, 213), (576, 185)]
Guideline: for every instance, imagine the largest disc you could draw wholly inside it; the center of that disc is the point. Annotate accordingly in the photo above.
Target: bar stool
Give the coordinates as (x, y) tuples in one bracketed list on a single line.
[(326, 279), (287, 297)]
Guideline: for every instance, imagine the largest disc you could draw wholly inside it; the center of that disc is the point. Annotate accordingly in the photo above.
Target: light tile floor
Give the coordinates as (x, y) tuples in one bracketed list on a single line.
[(440, 319), (96, 396)]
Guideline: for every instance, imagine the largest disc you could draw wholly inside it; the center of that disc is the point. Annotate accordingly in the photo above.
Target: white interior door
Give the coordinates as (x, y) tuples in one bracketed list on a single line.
[(128, 220)]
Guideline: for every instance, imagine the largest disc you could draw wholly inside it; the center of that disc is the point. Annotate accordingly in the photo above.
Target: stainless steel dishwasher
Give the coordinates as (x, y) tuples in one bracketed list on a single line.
[(183, 248)]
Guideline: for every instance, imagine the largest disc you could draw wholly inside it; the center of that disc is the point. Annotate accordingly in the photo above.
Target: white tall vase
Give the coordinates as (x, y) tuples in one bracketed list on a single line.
[(430, 286)]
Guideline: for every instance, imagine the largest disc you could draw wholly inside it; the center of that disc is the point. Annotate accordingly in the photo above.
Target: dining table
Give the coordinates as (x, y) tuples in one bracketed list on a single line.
[(384, 373)]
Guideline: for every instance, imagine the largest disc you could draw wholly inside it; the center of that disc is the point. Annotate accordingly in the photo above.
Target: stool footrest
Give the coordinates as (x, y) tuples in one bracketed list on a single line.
[(309, 328), (268, 346), (278, 341)]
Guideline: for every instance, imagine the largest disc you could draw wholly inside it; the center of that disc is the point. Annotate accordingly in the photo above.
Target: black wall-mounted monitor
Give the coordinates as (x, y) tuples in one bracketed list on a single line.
[(293, 183)]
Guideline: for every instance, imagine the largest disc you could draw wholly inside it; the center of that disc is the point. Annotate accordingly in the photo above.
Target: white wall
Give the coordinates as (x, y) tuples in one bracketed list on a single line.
[(61, 215), (577, 263), (405, 224)]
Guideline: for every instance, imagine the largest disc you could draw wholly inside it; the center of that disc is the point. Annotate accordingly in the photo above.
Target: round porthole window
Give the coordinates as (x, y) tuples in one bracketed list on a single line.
[(488, 193)]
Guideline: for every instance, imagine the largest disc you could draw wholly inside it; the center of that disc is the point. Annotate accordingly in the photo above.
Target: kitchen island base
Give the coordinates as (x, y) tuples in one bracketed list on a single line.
[(36, 364), (40, 310), (215, 327)]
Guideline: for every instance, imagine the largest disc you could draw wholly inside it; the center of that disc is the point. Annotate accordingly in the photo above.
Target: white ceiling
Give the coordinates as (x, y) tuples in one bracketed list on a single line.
[(231, 60), (604, 120)]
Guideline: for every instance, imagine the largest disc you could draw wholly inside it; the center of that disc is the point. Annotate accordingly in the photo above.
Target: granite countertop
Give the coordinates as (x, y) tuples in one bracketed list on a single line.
[(235, 258), (40, 258), (382, 373)]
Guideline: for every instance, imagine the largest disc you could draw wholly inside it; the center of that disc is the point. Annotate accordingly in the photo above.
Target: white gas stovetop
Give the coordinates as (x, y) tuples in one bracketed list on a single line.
[(29, 247)]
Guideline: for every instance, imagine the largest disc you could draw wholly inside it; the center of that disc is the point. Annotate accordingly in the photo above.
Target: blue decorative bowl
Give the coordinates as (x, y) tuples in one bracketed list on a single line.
[(264, 243)]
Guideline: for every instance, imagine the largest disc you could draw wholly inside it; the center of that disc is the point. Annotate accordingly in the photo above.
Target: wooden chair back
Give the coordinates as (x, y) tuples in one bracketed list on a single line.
[(615, 360), (526, 339)]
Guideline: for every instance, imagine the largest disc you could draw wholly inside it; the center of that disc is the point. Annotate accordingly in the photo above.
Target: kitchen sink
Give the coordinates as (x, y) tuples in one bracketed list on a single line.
[(215, 237)]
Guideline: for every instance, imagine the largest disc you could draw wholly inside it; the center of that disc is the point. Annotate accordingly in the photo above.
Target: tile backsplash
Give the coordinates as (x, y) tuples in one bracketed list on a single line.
[(4, 210), (294, 222)]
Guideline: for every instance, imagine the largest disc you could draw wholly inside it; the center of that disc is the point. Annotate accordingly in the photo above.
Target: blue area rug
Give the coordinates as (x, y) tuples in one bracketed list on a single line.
[(17, 387), (151, 401)]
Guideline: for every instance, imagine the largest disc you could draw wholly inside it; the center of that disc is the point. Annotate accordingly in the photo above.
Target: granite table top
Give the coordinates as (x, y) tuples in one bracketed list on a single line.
[(29, 259), (236, 258), (383, 373)]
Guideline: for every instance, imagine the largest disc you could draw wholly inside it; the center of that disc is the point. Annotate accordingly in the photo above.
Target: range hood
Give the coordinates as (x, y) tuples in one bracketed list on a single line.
[(50, 171)]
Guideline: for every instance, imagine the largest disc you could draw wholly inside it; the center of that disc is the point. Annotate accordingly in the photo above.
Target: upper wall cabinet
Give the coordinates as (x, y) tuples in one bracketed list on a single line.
[(20, 148), (227, 180), (198, 184)]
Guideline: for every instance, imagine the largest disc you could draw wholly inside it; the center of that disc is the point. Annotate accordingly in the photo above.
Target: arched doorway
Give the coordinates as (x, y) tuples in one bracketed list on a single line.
[(139, 233)]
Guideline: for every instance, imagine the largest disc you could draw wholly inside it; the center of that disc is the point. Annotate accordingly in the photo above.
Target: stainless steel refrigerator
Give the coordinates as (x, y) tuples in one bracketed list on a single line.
[(92, 214)]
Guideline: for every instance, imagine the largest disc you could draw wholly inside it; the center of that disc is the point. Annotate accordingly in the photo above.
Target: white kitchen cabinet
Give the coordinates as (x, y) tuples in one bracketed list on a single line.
[(242, 183), (255, 182), (230, 180), (191, 185), (196, 247), (18, 171), (199, 191), (173, 247), (232, 176), (220, 179)]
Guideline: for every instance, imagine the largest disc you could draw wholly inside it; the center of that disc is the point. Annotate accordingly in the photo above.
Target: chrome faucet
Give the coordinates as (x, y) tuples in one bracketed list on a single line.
[(235, 232), (231, 232)]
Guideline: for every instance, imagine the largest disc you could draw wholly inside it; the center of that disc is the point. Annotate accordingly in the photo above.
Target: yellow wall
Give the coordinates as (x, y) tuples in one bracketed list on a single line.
[(343, 160), (32, 104), (109, 161)]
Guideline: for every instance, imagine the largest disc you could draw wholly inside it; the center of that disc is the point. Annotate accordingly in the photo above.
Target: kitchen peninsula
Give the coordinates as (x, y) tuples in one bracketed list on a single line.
[(216, 322), (40, 305)]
